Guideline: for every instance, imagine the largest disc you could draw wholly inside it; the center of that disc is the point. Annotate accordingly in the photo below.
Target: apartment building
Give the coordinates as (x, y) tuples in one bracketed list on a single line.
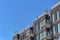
[(16, 36), (25, 35), (55, 21), (42, 27), (47, 25)]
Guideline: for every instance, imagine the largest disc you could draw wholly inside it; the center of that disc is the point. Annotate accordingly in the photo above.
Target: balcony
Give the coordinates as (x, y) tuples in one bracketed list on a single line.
[(46, 25), (47, 36), (30, 34)]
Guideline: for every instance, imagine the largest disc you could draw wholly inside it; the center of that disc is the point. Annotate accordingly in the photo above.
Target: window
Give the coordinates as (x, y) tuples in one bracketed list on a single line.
[(57, 15), (44, 34), (31, 31), (40, 36), (21, 37), (59, 38), (54, 30), (36, 28), (48, 33), (58, 27), (54, 39), (36, 37), (42, 23), (52, 18)]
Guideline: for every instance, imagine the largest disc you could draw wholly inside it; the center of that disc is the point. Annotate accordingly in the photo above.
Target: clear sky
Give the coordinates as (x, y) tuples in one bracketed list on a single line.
[(16, 14)]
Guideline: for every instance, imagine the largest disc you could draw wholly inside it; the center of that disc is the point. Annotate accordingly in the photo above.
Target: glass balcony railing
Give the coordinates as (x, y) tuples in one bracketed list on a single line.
[(47, 35), (45, 24), (30, 33)]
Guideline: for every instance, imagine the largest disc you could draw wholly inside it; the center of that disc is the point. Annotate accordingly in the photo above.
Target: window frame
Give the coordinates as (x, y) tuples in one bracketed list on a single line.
[(57, 15)]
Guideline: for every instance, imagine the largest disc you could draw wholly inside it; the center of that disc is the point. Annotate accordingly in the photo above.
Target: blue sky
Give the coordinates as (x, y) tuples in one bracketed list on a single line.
[(16, 14)]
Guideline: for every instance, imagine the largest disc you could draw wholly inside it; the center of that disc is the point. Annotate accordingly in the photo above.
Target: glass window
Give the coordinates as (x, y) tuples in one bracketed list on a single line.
[(42, 23), (40, 36), (54, 39), (21, 37), (44, 34), (36, 28), (59, 38), (36, 37), (54, 30), (52, 18), (58, 27), (57, 15), (31, 31)]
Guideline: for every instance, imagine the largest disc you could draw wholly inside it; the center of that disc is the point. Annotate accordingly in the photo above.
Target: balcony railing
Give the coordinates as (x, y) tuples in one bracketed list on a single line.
[(46, 25), (30, 34), (47, 35)]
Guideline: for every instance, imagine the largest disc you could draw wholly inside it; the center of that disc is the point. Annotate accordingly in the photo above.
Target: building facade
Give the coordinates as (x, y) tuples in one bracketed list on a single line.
[(16, 37), (25, 35), (55, 21), (42, 27), (45, 27)]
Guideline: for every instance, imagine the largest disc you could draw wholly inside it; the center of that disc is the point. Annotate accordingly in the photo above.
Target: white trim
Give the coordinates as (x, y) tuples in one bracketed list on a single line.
[(41, 15), (55, 5)]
